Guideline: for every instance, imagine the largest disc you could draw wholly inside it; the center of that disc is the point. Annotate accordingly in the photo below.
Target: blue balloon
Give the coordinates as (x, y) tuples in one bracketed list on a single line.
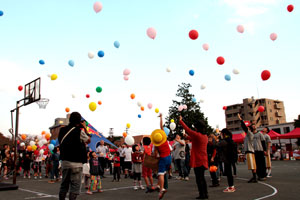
[(71, 63), (1, 13), (117, 44), (194, 99), (51, 147), (53, 142), (227, 77), (100, 54), (166, 130), (191, 72), (139, 116), (42, 62)]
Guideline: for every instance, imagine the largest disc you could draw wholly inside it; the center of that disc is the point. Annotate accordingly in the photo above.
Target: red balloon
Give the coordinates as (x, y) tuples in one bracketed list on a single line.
[(87, 96), (290, 8), (261, 109), (265, 75), (36, 152), (45, 153), (20, 88), (193, 34), (220, 60), (247, 123), (224, 107)]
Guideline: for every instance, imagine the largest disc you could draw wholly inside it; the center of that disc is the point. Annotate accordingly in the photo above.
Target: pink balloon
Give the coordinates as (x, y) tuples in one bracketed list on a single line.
[(273, 36), (126, 72), (180, 108), (97, 6), (184, 107), (149, 105), (126, 78), (151, 32), (205, 46), (240, 28)]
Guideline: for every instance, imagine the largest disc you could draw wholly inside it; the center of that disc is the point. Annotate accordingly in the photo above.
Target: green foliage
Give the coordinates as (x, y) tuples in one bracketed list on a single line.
[(191, 115)]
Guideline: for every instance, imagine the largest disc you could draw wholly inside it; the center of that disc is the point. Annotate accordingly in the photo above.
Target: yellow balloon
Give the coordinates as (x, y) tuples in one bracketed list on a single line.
[(34, 147), (172, 120), (128, 125), (156, 110), (93, 106), (53, 77)]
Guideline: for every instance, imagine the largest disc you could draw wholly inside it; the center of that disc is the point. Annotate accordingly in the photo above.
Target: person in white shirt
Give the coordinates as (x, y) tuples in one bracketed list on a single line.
[(127, 151), (101, 151)]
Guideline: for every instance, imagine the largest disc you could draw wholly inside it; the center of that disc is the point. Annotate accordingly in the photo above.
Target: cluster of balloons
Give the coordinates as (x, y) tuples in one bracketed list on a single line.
[(97, 6), (151, 32), (126, 73), (265, 75)]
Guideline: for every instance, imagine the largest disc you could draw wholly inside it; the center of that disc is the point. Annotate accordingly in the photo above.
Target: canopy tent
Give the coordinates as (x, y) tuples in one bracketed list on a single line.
[(291, 135), (238, 138), (274, 135)]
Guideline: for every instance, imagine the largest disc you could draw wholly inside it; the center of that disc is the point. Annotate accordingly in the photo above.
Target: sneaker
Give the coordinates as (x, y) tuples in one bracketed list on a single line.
[(24, 176), (229, 189), (35, 177), (135, 188), (186, 178), (60, 177), (179, 178), (28, 176), (89, 192), (142, 187), (52, 181), (269, 176), (41, 177), (100, 191), (162, 193)]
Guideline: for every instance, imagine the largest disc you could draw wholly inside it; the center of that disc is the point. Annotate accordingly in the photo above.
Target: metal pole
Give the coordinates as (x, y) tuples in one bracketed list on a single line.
[(12, 125), (16, 136)]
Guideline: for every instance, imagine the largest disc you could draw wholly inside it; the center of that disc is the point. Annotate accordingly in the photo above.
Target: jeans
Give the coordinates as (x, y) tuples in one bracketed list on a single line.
[(54, 171), (200, 180), (228, 172), (180, 163), (71, 177)]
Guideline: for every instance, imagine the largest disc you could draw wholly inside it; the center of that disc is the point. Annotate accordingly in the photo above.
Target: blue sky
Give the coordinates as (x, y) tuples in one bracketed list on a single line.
[(57, 31)]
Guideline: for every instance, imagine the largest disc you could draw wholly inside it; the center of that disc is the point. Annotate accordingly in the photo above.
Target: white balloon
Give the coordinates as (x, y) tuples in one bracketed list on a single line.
[(39, 137), (201, 101), (203, 87), (129, 140), (44, 141), (139, 103), (91, 55), (31, 143), (168, 69), (172, 126), (184, 107), (235, 71), (41, 152), (22, 144), (73, 96), (49, 75), (40, 143)]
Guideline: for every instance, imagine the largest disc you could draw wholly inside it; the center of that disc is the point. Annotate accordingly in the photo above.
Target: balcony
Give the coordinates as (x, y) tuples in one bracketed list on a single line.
[(279, 114), (278, 106)]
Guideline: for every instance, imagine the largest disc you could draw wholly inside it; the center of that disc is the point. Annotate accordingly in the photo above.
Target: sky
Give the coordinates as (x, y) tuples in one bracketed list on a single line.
[(58, 31)]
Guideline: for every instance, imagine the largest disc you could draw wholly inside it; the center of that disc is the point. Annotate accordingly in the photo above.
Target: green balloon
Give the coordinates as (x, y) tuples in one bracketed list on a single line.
[(99, 89)]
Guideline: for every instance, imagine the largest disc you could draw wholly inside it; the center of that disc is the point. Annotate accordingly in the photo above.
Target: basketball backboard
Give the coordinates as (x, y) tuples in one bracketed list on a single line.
[(32, 91)]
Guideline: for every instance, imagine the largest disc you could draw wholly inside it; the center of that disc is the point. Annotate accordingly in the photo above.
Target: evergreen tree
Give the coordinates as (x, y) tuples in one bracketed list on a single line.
[(191, 115)]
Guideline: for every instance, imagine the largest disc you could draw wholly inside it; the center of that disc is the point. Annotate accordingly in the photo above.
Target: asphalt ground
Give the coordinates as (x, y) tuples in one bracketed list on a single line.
[(284, 184)]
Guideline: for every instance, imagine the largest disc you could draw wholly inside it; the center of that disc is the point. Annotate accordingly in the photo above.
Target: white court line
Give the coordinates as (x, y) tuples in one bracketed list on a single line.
[(40, 194)]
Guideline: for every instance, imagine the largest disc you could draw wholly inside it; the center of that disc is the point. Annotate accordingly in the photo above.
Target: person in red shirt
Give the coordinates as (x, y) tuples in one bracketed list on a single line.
[(116, 171), (198, 159)]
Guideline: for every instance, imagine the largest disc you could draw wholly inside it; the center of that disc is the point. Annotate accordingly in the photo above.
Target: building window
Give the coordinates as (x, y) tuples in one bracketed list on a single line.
[(271, 118), (286, 129), (270, 110), (229, 115), (277, 130), (269, 102)]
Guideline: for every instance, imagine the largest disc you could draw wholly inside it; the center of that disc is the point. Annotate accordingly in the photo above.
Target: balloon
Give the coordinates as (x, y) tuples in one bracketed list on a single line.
[(201, 101), (139, 116), (150, 105), (124, 134), (47, 136), (91, 55), (53, 142), (99, 102), (203, 87), (142, 108), (132, 96), (151, 32), (126, 78), (67, 109), (53, 77), (1, 13), (227, 77), (128, 125), (156, 110), (224, 107), (265, 75), (129, 140), (191, 72), (184, 107), (261, 109), (34, 147), (43, 132), (172, 120), (168, 69), (22, 144), (240, 28), (235, 71), (213, 168), (194, 100), (97, 6), (71, 63), (290, 8), (166, 130), (73, 96), (41, 152), (117, 44), (193, 34), (220, 60), (101, 54), (50, 147), (87, 96), (180, 108), (93, 106), (29, 148), (20, 88), (40, 143), (126, 72), (42, 62), (31, 143), (99, 89), (139, 104), (273, 36), (45, 153), (172, 126), (205, 47), (39, 137), (45, 141)]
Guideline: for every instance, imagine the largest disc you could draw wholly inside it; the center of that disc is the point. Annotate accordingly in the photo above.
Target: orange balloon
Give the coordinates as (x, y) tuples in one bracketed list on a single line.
[(48, 136), (99, 102), (43, 132), (142, 108), (124, 134), (67, 109), (29, 148), (132, 96), (213, 168), (23, 136)]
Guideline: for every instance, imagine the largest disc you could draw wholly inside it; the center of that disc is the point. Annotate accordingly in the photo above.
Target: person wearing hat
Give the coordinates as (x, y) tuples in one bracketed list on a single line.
[(162, 147), (198, 160)]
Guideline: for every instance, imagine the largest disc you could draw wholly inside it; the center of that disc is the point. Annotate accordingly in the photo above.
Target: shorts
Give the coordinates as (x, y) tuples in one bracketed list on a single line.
[(268, 161), (146, 172), (164, 165), (251, 161), (127, 165)]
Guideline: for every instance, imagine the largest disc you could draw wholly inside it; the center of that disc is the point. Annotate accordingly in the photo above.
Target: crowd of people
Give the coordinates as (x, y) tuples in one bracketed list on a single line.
[(74, 164)]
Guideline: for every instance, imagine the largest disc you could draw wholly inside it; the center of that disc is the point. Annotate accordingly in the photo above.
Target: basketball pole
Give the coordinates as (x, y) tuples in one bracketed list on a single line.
[(16, 144)]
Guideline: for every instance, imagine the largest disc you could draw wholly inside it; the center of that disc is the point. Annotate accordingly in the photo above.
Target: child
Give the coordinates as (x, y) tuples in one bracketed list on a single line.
[(26, 165), (137, 159), (117, 170), (147, 172), (55, 161), (95, 170), (86, 172), (48, 163)]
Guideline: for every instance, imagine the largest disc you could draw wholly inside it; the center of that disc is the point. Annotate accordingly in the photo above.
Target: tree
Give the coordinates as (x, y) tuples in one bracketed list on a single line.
[(191, 115)]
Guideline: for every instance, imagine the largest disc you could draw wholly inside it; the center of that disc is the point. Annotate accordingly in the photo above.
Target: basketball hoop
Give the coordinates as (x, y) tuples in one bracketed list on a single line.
[(43, 103)]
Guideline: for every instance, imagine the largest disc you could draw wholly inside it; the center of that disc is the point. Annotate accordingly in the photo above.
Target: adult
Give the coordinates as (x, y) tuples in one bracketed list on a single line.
[(101, 151), (188, 147), (199, 159), (122, 157), (265, 132), (127, 160), (212, 159), (72, 140), (5, 154), (179, 157), (259, 145)]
